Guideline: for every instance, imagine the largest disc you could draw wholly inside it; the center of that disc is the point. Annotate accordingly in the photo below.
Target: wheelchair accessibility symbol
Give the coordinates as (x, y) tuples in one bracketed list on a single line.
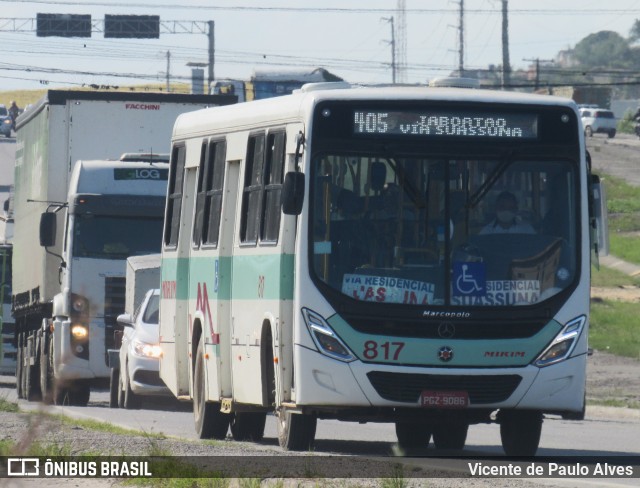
[(469, 279)]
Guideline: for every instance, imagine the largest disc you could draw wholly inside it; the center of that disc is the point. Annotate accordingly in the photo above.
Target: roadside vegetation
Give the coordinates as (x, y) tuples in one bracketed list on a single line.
[(614, 324)]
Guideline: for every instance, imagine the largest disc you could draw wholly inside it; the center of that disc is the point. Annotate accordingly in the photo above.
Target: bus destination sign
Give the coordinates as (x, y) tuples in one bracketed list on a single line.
[(439, 123)]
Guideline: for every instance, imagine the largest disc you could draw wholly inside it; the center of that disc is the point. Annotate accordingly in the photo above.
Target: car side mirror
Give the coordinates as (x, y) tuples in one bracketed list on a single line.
[(125, 320)]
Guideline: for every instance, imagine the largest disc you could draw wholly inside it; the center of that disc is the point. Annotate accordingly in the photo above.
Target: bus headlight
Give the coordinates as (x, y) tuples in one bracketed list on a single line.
[(563, 344), (326, 340), (146, 350)]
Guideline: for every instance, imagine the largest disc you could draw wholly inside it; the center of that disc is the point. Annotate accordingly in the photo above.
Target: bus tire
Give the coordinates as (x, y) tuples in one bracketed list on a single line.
[(248, 426), (450, 435), (210, 422), (520, 431), (413, 435), (296, 431)]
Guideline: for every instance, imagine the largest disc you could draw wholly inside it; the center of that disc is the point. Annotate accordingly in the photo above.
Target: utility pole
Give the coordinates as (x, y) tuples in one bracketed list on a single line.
[(212, 51), (537, 61), (461, 41), (392, 43), (401, 42), (168, 71), (506, 66)]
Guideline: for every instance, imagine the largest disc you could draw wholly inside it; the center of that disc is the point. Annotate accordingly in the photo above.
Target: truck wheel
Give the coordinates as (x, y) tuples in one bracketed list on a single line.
[(412, 435), (32, 373), (612, 133), (113, 387), (19, 367), (296, 431), (46, 373), (450, 435), (248, 426), (210, 422), (520, 431), (588, 131), (79, 394)]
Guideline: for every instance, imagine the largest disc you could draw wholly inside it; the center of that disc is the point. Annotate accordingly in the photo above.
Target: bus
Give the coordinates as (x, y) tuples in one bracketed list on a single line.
[(328, 255)]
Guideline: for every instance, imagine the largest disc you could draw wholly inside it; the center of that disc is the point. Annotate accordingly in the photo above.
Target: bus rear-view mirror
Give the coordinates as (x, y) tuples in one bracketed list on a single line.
[(293, 193)]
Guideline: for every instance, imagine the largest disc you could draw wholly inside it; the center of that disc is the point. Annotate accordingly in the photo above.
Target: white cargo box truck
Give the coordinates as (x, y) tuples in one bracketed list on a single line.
[(68, 262)]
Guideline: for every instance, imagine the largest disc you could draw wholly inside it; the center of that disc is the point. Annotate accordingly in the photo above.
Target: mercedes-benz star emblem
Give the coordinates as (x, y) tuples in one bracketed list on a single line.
[(446, 330), (445, 354)]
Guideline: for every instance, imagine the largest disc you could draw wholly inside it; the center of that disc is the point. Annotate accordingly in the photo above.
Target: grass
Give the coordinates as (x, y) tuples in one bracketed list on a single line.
[(607, 278), (614, 328)]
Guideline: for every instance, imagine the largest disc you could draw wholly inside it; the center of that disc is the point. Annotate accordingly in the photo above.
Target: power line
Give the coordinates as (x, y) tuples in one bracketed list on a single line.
[(349, 10)]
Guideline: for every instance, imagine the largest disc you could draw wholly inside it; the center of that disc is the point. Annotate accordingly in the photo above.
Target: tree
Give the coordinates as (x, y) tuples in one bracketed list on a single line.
[(604, 49)]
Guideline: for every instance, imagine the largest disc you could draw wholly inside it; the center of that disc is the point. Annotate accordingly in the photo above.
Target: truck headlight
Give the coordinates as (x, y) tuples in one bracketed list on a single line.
[(326, 340), (564, 343), (146, 350), (79, 332)]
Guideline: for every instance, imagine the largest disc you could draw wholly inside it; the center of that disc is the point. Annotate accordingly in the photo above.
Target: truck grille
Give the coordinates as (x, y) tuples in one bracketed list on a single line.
[(482, 389), (114, 293)]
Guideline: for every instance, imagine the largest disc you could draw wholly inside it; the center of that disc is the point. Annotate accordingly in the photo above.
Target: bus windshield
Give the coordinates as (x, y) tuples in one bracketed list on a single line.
[(107, 237), (444, 231)]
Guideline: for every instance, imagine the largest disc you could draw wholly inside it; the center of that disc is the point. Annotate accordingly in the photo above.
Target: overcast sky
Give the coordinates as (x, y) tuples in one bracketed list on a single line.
[(348, 37)]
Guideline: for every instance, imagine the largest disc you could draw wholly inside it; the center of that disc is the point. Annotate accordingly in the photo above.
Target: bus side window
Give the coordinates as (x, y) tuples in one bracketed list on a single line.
[(273, 176), (174, 201), (253, 190), (214, 192)]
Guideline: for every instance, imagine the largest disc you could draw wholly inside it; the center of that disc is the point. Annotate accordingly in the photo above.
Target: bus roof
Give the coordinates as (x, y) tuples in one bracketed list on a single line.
[(298, 105)]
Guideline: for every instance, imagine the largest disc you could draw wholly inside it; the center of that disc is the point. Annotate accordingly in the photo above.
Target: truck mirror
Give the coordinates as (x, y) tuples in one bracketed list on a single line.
[(47, 229), (293, 193)]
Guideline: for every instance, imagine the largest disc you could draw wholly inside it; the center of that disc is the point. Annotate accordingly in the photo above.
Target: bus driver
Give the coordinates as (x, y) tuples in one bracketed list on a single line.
[(507, 220)]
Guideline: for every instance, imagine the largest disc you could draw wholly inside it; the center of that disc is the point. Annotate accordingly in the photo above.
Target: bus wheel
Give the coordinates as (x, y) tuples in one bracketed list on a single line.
[(450, 435), (296, 431), (520, 431), (412, 435), (210, 421), (248, 426)]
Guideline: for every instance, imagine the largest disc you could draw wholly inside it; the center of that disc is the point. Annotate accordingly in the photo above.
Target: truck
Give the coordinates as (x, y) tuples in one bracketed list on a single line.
[(7, 326), (78, 214)]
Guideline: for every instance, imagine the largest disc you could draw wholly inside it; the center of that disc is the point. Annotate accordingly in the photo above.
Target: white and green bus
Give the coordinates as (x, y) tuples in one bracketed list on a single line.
[(342, 253)]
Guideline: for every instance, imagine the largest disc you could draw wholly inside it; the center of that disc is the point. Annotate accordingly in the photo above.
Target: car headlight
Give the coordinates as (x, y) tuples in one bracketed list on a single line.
[(326, 340), (564, 343), (146, 350)]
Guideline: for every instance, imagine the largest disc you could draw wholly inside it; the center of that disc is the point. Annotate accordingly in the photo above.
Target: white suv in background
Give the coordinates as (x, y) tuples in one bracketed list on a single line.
[(596, 120)]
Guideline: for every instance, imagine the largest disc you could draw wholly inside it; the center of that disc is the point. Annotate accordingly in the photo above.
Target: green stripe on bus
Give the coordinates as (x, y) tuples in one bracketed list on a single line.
[(425, 352), (264, 276)]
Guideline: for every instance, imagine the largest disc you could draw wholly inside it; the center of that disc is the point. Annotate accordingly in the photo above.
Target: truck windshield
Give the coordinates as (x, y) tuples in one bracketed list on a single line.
[(105, 237), (444, 231)]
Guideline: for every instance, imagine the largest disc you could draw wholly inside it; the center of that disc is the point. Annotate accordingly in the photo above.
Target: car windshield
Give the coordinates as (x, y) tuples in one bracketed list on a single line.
[(3, 112), (444, 231)]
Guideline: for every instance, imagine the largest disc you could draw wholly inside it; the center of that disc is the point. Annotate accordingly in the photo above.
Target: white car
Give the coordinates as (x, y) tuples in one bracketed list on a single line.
[(596, 120), (139, 372)]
